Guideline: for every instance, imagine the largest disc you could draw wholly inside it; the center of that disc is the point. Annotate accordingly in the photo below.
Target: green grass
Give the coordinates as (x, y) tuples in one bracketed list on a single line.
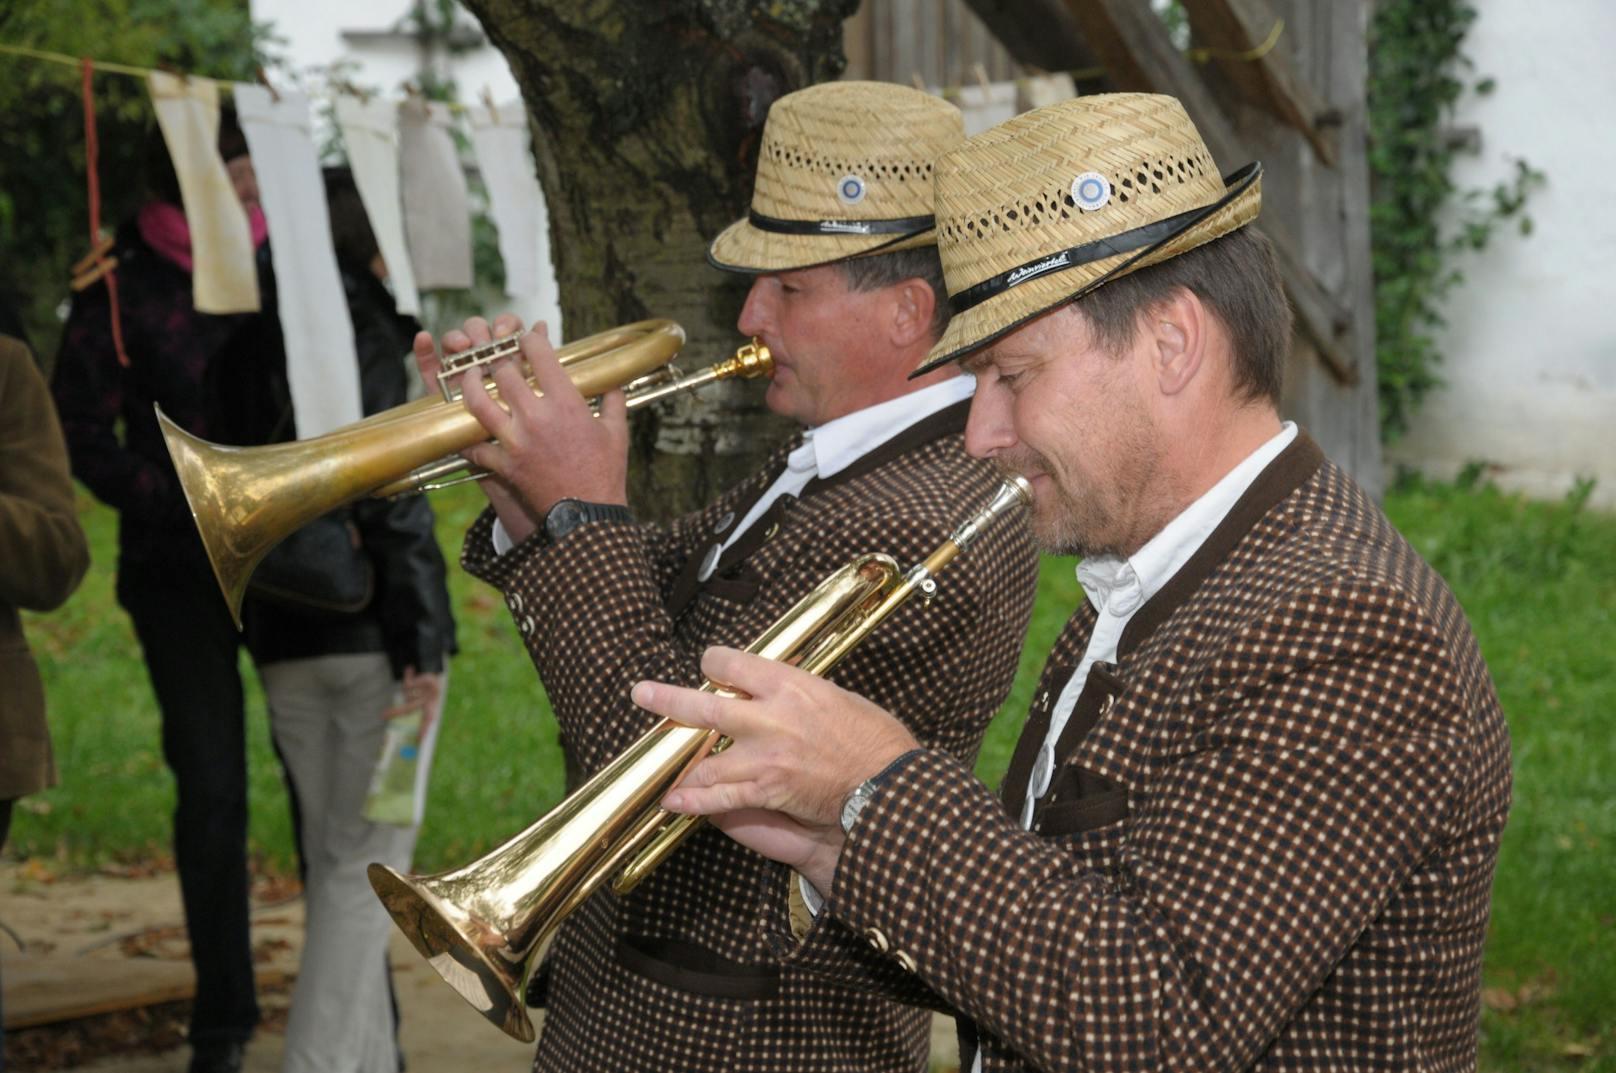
[(1535, 578)]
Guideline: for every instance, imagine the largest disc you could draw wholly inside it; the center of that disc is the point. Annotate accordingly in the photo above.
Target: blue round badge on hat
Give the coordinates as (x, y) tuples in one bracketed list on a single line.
[(850, 189), (1091, 190)]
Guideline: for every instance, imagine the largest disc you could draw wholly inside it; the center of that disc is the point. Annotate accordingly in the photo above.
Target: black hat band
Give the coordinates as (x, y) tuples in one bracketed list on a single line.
[(908, 225)]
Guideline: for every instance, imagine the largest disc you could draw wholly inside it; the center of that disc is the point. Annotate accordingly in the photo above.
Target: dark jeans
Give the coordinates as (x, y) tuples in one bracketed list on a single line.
[(190, 647)]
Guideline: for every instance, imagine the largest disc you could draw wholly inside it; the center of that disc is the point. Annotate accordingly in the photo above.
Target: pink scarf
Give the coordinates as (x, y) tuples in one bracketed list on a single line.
[(164, 228)]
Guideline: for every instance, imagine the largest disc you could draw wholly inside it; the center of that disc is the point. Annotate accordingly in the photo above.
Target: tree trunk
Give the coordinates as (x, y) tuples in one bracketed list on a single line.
[(646, 121)]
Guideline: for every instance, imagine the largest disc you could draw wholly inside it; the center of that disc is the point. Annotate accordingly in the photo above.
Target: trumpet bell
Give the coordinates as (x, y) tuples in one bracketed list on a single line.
[(245, 500), (467, 953)]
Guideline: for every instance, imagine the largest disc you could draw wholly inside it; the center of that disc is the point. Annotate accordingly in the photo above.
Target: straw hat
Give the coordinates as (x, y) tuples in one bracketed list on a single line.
[(845, 169), (1048, 205)]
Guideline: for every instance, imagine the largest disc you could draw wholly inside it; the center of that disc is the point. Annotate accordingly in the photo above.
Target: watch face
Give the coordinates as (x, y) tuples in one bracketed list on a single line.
[(854, 805), (562, 518)]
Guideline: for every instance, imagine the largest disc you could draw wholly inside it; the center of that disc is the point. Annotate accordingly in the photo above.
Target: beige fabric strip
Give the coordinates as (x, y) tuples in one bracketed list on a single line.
[(223, 276), (437, 212)]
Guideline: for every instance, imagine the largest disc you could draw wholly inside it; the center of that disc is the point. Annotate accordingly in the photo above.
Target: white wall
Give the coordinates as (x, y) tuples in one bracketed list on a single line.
[(1531, 344), (319, 33)]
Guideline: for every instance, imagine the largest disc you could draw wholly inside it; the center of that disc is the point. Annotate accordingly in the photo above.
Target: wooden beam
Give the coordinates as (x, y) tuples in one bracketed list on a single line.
[(1133, 44), (1269, 80), (1038, 34)]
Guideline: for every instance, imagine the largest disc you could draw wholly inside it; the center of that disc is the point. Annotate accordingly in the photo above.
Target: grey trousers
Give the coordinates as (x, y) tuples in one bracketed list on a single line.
[(325, 714)]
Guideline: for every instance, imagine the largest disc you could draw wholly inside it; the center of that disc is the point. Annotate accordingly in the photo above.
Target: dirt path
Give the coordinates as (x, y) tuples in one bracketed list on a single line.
[(117, 941), (109, 940)]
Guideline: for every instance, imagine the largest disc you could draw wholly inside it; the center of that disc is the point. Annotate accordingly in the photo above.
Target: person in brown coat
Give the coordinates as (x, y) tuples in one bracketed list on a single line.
[(43, 557), (847, 295), (1253, 816)]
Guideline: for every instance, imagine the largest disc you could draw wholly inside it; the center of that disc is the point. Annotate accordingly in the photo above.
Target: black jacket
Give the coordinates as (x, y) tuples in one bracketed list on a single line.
[(106, 409), (409, 615)]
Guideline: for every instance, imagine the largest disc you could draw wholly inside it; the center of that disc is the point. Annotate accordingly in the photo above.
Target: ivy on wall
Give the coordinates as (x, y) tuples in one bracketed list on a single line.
[(1420, 221)]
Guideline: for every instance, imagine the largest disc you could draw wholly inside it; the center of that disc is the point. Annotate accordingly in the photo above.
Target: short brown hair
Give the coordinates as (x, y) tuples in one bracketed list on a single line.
[(1237, 277), (879, 270)]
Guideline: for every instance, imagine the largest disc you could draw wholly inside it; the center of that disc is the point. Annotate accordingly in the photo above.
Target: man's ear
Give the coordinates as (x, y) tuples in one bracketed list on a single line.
[(1176, 330), (913, 304)]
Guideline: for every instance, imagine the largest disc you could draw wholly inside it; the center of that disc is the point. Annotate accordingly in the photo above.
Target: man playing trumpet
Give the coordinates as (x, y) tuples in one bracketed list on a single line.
[(848, 297), (1254, 813)]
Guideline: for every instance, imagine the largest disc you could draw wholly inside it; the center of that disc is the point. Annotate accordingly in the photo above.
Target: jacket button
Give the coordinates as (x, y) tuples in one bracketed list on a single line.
[(878, 939), (1107, 704), (773, 529), (905, 962), (724, 522)]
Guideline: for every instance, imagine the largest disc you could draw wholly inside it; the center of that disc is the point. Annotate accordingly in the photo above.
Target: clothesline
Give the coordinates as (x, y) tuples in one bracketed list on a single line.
[(1196, 54), (225, 84)]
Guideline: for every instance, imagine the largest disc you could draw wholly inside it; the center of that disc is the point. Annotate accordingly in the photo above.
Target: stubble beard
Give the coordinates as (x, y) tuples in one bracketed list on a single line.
[(1065, 520), (1061, 521)]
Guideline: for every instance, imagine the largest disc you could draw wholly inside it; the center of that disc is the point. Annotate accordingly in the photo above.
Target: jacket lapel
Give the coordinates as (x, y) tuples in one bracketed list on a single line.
[(945, 422)]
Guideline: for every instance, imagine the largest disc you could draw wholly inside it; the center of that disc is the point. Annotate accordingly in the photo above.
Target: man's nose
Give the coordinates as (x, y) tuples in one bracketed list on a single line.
[(757, 313), (989, 428)]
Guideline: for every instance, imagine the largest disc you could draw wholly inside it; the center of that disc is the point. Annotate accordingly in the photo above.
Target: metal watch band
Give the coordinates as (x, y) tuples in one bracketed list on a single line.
[(860, 795), (568, 514)]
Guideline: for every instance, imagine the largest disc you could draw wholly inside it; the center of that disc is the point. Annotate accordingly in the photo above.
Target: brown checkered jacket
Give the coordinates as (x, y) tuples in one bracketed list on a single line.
[(678, 975), (1269, 843)]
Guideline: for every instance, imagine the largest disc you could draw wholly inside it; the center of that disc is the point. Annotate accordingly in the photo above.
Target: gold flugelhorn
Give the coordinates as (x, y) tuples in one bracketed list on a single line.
[(480, 926), (245, 500)]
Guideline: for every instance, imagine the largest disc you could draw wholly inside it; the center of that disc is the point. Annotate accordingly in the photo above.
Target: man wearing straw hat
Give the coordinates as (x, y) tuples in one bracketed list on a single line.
[(848, 295), (1253, 816)]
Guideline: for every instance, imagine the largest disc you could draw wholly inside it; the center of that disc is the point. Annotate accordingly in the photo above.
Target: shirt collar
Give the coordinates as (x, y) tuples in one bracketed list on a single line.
[(1122, 586), (839, 443)]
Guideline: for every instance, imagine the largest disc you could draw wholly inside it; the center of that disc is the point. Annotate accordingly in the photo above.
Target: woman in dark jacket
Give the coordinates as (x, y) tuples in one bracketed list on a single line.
[(164, 580)]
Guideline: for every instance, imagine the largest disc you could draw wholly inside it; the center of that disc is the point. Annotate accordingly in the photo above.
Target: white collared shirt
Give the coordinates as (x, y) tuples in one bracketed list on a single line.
[(1119, 587), (828, 449)]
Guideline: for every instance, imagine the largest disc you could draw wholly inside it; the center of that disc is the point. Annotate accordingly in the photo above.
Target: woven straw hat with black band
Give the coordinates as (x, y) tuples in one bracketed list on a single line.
[(845, 169), (1047, 206)]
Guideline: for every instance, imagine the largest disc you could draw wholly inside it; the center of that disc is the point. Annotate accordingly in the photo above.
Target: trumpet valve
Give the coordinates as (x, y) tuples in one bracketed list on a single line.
[(450, 366)]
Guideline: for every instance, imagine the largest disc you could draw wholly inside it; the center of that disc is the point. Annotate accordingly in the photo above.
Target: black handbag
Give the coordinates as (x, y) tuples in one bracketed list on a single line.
[(320, 567)]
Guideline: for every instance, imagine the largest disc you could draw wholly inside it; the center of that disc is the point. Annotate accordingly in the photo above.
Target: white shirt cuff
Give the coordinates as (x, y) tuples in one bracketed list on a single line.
[(501, 539)]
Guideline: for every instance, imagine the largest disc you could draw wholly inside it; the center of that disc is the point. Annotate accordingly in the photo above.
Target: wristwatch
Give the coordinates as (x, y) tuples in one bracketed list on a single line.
[(860, 795), (568, 514)]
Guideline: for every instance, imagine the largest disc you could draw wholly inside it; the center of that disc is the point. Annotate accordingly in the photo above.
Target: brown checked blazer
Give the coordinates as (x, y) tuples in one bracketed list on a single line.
[(678, 975), (1269, 843)]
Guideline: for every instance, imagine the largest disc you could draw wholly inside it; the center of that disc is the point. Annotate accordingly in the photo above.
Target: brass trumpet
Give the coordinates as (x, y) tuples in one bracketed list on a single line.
[(479, 926), (245, 500)]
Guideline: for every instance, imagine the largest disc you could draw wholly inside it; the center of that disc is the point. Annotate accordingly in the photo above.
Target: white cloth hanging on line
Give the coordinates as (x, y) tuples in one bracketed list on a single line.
[(437, 212), (1041, 90), (984, 105), (502, 140), (322, 363), (224, 278), (370, 135)]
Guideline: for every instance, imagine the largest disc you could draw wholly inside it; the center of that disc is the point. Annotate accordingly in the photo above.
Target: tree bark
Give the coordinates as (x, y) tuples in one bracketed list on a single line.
[(646, 122)]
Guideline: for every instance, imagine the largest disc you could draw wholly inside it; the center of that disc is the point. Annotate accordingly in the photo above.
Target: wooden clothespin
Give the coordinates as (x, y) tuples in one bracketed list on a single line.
[(493, 110), (93, 265), (263, 80), (920, 83)]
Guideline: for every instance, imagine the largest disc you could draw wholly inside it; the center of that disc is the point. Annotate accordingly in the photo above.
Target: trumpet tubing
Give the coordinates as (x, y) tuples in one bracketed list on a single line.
[(481, 925)]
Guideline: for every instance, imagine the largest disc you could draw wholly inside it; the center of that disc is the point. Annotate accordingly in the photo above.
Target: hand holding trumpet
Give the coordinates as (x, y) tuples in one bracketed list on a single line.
[(547, 444)]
